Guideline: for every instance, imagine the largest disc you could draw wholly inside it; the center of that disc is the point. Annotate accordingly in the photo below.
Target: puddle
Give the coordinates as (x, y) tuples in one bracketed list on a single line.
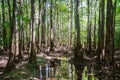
[(57, 69)]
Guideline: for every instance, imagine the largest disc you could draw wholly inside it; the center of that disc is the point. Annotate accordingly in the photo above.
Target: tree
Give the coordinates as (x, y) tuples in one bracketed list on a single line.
[(51, 29), (101, 29), (89, 29), (77, 24), (94, 39), (10, 64), (58, 24), (109, 42), (43, 14), (0, 31), (16, 33), (39, 24), (21, 29), (32, 58), (71, 22), (78, 57), (3, 23), (9, 8)]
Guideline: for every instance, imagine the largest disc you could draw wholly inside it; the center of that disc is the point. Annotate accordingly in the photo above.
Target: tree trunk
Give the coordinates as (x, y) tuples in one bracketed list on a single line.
[(89, 29), (3, 25), (94, 39), (39, 24), (101, 29), (78, 58), (109, 45), (71, 22), (114, 18), (77, 24), (16, 33), (58, 25), (51, 29), (9, 9), (43, 14), (32, 58), (1, 33), (68, 33), (21, 31), (55, 19), (26, 33), (10, 63)]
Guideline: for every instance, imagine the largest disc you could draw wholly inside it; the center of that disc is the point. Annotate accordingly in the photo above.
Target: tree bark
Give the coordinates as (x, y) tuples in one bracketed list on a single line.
[(51, 29), (78, 58), (89, 29), (39, 24), (32, 58), (71, 22), (109, 45), (21, 31), (94, 39), (10, 64), (16, 32), (101, 30), (3, 24), (77, 24), (43, 14)]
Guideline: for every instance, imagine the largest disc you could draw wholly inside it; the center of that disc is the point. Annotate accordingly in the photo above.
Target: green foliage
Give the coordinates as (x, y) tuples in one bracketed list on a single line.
[(6, 25), (62, 7), (117, 26), (40, 60), (63, 69), (26, 19), (85, 74), (16, 75)]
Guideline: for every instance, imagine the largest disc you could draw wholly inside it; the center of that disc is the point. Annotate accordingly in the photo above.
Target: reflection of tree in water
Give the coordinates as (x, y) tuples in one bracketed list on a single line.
[(57, 69)]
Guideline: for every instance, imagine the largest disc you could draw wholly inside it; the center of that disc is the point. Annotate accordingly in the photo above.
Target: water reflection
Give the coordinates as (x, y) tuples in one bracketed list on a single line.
[(63, 69), (56, 69)]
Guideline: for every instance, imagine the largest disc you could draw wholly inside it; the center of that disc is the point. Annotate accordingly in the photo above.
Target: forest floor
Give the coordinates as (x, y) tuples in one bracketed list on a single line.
[(22, 72)]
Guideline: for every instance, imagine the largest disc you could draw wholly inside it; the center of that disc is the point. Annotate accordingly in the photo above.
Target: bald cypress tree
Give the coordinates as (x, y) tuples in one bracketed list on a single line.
[(101, 28), (109, 42), (13, 25), (51, 28), (43, 15), (3, 24), (32, 58), (77, 25)]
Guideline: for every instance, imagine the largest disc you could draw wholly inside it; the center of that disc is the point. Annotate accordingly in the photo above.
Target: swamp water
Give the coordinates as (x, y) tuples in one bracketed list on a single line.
[(60, 69)]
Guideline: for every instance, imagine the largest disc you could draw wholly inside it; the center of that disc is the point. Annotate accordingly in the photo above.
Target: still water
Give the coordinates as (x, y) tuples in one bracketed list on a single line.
[(60, 69)]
